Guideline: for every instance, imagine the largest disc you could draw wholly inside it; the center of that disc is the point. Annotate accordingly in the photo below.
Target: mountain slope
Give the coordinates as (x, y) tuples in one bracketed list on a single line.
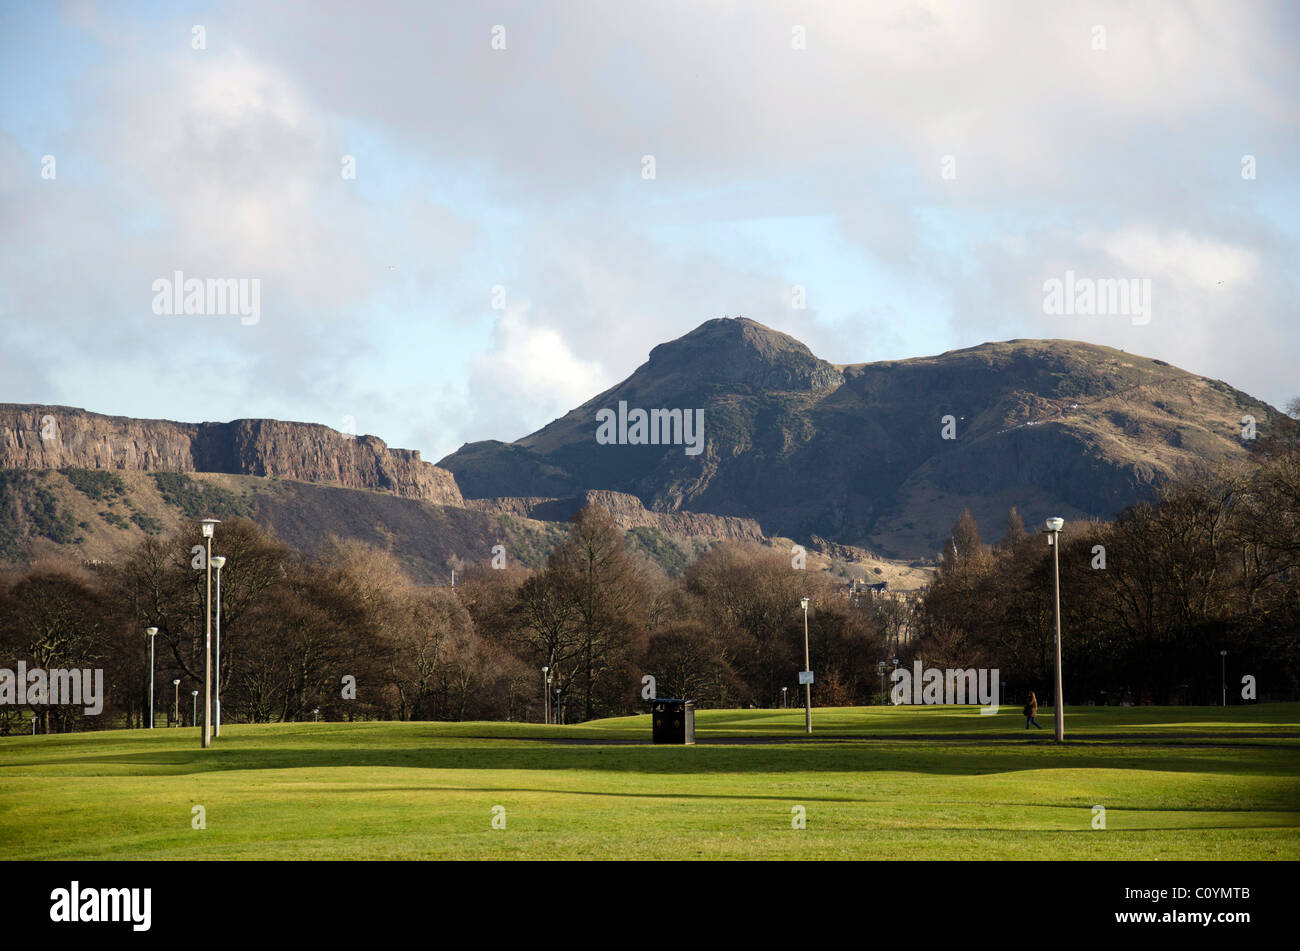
[(98, 514), (856, 454), (91, 486)]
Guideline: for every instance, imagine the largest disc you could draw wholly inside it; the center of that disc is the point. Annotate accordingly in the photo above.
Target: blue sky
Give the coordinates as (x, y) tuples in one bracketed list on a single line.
[(521, 169)]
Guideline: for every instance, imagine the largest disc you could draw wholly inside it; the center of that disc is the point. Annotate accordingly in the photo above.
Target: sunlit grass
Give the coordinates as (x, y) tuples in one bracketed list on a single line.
[(914, 783)]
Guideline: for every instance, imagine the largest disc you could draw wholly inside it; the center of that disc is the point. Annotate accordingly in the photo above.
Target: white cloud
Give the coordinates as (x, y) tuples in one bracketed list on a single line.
[(225, 162), (1186, 258), (529, 377)]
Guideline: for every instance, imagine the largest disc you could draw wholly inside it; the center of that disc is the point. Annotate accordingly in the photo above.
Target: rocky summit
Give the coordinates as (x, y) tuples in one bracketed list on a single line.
[(882, 455)]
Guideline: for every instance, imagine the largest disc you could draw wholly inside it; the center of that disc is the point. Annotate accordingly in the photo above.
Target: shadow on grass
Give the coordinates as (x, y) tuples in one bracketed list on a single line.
[(866, 757), (790, 797)]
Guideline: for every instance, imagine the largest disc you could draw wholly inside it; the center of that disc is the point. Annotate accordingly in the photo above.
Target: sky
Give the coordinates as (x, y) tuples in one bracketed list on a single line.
[(541, 192)]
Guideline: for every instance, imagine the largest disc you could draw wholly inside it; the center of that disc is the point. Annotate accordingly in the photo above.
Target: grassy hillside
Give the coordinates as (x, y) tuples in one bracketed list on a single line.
[(93, 515), (1176, 783)]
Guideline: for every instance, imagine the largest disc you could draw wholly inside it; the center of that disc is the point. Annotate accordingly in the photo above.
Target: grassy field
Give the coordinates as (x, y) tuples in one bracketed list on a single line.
[(877, 783)]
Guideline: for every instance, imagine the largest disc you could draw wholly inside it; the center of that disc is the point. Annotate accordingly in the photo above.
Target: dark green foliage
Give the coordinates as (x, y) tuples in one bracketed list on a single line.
[(147, 523), (197, 501), (97, 484), (114, 519), (659, 548), (24, 500)]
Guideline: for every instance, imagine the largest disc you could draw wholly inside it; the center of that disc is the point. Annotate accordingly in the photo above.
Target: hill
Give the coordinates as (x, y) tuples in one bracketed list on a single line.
[(90, 486), (850, 461), (857, 454), (94, 515)]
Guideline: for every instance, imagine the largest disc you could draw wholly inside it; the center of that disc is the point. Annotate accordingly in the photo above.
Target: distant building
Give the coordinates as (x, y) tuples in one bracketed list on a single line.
[(860, 587)]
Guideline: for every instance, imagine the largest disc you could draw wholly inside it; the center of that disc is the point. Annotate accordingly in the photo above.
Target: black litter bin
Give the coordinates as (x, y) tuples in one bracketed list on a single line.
[(674, 721)]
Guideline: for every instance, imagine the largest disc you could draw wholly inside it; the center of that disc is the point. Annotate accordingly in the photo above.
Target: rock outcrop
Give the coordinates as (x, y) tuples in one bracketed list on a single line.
[(55, 437), (627, 512)]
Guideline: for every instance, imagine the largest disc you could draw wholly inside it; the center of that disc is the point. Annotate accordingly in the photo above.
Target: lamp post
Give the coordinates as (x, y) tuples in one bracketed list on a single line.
[(807, 682), (176, 701), (1054, 526), (546, 694), (205, 737), (785, 697), (881, 668), (1223, 676), (316, 713), (559, 705), (194, 714), (218, 562), (152, 632)]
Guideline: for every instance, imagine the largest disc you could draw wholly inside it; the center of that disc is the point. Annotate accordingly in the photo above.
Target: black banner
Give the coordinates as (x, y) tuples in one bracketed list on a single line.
[(916, 901)]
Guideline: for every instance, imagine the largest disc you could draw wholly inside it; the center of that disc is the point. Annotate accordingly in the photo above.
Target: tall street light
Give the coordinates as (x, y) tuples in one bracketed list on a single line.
[(205, 738), (152, 632), (1223, 676), (176, 699), (807, 673), (218, 562), (1054, 526), (194, 713), (546, 694)]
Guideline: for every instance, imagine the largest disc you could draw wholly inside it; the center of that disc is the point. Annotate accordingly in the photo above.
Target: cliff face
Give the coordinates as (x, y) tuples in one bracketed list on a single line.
[(55, 437), (627, 512)]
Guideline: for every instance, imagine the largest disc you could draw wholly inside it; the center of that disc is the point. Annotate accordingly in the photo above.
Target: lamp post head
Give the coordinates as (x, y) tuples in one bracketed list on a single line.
[(176, 683), (151, 631), (1055, 524), (804, 603), (218, 562), (194, 693), (1223, 653), (546, 670), (208, 524)]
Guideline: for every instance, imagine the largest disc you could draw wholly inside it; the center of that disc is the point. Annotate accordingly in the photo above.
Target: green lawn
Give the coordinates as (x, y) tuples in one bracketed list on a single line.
[(892, 782)]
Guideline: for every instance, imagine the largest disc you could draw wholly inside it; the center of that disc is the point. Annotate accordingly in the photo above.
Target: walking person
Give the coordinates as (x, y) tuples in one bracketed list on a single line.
[(1031, 711)]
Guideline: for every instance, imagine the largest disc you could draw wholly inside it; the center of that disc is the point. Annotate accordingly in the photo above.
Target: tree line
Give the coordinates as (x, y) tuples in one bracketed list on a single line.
[(1148, 602), (343, 633)]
